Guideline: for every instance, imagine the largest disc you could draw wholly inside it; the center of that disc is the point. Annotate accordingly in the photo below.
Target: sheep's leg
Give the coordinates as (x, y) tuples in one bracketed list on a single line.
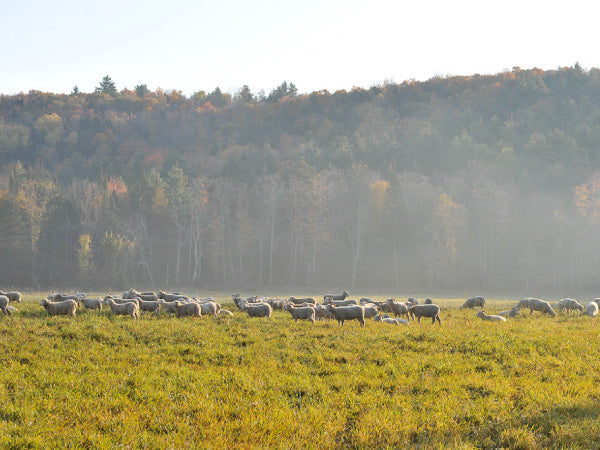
[(438, 319)]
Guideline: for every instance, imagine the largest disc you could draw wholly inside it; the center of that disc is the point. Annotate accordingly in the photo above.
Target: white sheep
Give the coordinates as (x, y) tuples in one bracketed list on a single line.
[(4, 305), (188, 309), (345, 302), (258, 310), (569, 304), (473, 302), (343, 313), (514, 312), (321, 312), (92, 303), (298, 313), (535, 304), (123, 309), (13, 296), (167, 307), (225, 312), (210, 307), (64, 308), (299, 301), (591, 309), (371, 310), (382, 319), (398, 308), (149, 305), (491, 317), (427, 310)]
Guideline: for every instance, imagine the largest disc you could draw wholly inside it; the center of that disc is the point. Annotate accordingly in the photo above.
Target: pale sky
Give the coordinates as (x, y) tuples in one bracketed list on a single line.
[(190, 46)]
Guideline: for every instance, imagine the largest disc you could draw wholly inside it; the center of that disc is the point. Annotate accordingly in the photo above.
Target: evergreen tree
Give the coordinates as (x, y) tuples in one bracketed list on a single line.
[(107, 86)]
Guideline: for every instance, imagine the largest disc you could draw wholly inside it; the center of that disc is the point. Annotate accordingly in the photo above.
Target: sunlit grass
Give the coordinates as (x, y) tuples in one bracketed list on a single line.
[(104, 381)]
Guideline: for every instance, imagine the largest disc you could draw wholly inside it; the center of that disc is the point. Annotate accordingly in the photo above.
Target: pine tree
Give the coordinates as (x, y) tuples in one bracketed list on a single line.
[(107, 86)]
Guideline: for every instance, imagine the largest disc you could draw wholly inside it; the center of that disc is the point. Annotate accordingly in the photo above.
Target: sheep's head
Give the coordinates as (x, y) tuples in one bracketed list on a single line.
[(481, 313)]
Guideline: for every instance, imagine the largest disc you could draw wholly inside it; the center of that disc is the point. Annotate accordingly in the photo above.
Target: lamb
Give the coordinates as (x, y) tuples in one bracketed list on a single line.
[(188, 309), (64, 308), (12, 296), (258, 310), (535, 304), (473, 302), (342, 296), (299, 301), (569, 304), (149, 305), (591, 309), (4, 305), (428, 310), (492, 318), (399, 309), (304, 313), (343, 313), (514, 312), (380, 318), (92, 303), (123, 309)]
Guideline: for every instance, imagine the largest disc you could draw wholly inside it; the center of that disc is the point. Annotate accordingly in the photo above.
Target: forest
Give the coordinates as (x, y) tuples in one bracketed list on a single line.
[(484, 183)]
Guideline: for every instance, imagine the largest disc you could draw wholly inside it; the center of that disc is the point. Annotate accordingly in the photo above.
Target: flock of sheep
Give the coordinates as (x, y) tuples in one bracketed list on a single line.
[(337, 307)]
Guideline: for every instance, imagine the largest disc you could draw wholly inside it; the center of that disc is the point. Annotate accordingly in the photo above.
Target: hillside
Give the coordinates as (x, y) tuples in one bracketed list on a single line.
[(458, 183)]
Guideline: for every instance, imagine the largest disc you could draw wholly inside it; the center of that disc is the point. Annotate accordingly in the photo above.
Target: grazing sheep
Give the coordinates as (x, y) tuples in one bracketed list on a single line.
[(473, 302), (167, 307), (92, 303), (13, 296), (399, 309), (123, 309), (366, 300), (131, 293), (258, 310), (149, 305), (428, 310), (121, 301), (225, 312), (591, 309), (277, 303), (207, 308), (342, 296), (64, 308), (535, 304), (4, 305), (301, 313), (492, 318), (514, 312), (380, 318), (299, 301), (569, 304), (343, 313), (321, 312), (188, 309), (148, 296), (63, 297)]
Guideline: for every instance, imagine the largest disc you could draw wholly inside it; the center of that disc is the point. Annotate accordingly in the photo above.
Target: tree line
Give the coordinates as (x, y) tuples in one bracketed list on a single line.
[(481, 182)]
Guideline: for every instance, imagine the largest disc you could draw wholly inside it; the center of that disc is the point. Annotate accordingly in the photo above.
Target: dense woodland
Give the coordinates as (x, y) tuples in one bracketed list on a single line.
[(480, 183)]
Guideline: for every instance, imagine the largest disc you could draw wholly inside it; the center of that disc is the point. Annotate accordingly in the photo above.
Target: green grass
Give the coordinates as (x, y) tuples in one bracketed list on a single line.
[(104, 381)]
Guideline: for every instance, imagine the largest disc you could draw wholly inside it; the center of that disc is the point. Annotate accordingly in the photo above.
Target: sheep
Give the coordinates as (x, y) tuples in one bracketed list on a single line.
[(123, 309), (342, 296), (258, 310), (366, 300), (569, 304), (172, 297), (380, 318), (277, 303), (514, 312), (428, 310), (225, 312), (428, 301), (92, 303), (371, 310), (321, 312), (64, 308), (4, 305), (63, 297), (121, 301), (12, 296), (347, 302), (168, 307), (413, 301), (304, 313), (473, 302), (188, 309), (299, 301), (149, 306), (207, 308), (131, 293), (492, 318), (591, 309), (343, 313), (535, 304), (148, 296), (399, 309)]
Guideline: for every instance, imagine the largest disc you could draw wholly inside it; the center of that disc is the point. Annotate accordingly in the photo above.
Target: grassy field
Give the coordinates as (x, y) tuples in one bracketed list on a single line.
[(102, 381)]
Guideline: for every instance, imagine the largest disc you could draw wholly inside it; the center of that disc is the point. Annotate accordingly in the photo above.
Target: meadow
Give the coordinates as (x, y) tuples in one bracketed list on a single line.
[(102, 381)]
